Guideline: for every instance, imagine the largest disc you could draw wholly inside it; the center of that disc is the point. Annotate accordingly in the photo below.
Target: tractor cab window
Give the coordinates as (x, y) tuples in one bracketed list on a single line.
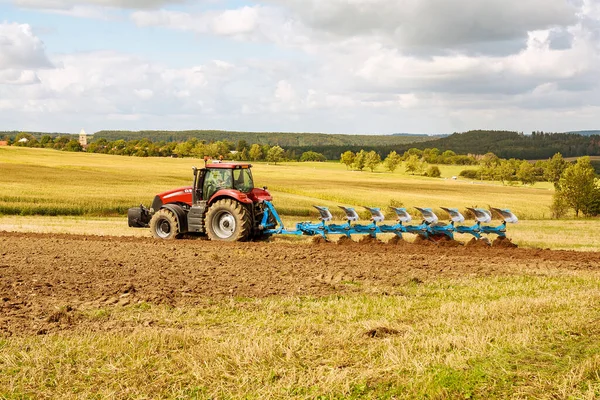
[(242, 180), (215, 180)]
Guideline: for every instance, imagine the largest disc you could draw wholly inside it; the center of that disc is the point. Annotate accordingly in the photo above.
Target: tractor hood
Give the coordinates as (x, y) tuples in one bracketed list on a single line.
[(181, 195), (258, 195)]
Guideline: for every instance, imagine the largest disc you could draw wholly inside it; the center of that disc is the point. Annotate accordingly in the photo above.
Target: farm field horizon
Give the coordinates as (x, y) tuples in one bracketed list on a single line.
[(72, 190)]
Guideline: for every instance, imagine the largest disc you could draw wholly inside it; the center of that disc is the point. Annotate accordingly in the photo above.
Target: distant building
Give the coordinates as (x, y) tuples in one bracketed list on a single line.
[(23, 140), (3, 143), (83, 139)]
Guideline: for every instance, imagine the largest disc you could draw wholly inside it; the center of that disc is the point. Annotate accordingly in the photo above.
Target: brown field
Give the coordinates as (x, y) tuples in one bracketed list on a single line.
[(46, 281)]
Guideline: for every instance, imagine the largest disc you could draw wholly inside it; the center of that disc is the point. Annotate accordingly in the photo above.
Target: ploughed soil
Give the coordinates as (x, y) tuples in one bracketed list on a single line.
[(45, 279)]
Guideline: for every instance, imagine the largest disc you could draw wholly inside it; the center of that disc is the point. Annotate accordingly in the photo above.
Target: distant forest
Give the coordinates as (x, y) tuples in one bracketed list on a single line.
[(283, 139), (538, 145), (505, 144)]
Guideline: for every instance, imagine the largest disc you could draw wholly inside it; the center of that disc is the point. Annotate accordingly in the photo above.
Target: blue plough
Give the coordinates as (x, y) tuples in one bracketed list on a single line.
[(430, 228)]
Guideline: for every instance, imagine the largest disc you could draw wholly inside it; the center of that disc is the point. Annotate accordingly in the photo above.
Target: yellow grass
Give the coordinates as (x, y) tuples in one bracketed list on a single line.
[(48, 182), (492, 338)]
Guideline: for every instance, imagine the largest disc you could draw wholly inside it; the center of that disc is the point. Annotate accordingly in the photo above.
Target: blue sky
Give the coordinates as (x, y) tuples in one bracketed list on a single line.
[(339, 66)]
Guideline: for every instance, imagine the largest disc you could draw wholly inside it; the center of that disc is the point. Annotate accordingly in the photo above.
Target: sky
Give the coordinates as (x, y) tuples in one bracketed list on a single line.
[(332, 66)]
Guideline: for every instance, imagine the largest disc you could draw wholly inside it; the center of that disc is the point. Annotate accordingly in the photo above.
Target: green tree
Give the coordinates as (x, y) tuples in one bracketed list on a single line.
[(433, 171), (242, 145), (372, 160), (183, 149), (526, 173), (312, 156), (554, 169), (490, 160), (412, 152), (347, 158), (72, 145), (414, 165), (392, 161), (359, 160), (255, 152), (46, 141), (578, 187), (431, 155), (275, 154), (506, 171)]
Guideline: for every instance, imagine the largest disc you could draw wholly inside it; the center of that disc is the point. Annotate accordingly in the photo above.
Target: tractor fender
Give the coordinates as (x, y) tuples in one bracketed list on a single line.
[(230, 194), (181, 215)]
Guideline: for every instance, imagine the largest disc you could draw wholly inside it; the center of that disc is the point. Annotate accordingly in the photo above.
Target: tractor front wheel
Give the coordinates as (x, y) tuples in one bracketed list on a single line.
[(228, 220), (164, 225)]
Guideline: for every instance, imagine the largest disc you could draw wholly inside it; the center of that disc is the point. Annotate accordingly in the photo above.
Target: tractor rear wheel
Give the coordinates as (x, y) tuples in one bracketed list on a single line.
[(228, 220), (164, 225)]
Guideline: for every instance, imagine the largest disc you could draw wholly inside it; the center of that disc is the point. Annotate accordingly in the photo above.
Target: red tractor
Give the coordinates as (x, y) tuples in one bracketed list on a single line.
[(222, 204)]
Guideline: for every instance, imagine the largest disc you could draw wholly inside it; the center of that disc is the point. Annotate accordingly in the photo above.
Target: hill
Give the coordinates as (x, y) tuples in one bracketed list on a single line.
[(585, 133), (517, 145), (284, 139)]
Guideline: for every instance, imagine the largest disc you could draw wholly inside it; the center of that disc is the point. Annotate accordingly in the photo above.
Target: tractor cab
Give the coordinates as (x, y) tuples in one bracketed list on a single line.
[(215, 177)]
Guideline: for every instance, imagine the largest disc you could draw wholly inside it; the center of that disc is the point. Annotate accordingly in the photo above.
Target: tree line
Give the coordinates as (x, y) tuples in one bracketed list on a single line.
[(505, 144), (282, 139)]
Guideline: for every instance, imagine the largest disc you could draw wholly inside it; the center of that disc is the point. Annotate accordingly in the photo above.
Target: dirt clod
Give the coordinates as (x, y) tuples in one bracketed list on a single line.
[(423, 241), (319, 240), (397, 241), (449, 243), (369, 240), (381, 332), (345, 240), (504, 242)]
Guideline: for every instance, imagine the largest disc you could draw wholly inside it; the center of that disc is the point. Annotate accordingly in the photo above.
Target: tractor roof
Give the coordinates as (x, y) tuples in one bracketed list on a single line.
[(227, 165)]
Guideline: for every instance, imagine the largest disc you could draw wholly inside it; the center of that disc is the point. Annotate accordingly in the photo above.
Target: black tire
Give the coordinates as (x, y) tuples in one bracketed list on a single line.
[(165, 225), (228, 221)]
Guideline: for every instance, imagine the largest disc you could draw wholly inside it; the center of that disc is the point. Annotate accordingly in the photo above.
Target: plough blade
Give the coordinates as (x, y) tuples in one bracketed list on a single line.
[(428, 215), (403, 215), (507, 215), (481, 215)]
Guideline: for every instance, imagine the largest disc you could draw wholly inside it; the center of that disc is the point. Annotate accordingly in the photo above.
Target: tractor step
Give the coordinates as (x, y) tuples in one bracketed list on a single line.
[(196, 217)]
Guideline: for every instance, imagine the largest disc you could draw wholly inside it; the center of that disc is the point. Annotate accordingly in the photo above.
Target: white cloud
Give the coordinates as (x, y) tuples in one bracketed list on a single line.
[(285, 92), (431, 23), (18, 77), (21, 54), (65, 4), (20, 48), (247, 23)]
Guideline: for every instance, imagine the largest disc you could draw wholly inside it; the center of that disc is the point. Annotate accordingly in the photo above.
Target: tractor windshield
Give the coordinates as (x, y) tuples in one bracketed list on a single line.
[(215, 180), (242, 180)]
